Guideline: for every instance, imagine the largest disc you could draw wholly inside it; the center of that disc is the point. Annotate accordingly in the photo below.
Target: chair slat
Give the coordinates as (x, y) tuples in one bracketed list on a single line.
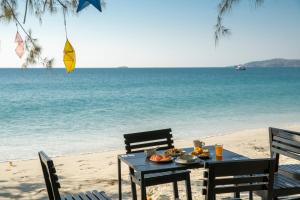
[(254, 166), (104, 195), (147, 136), (286, 141), (240, 188), (68, 197), (76, 197), (240, 180), (291, 135), (83, 196), (138, 146), (99, 195), (91, 196), (285, 147), (290, 170), (285, 153)]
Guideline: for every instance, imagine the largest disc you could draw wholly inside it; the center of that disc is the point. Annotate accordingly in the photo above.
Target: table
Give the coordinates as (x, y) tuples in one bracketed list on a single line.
[(139, 163)]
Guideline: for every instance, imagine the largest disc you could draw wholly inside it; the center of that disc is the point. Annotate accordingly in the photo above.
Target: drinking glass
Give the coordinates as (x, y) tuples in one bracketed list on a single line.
[(219, 150)]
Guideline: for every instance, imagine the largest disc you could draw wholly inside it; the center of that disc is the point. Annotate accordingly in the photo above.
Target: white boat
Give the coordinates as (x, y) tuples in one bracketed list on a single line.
[(123, 67), (240, 67)]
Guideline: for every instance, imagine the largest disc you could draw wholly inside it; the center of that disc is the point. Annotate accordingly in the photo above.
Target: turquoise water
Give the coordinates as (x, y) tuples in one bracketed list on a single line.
[(90, 109)]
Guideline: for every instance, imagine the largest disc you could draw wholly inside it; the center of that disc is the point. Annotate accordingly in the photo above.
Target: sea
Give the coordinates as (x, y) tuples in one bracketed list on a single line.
[(89, 110)]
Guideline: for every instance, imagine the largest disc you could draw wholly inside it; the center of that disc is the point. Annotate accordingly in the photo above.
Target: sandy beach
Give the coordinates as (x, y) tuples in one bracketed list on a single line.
[(24, 180)]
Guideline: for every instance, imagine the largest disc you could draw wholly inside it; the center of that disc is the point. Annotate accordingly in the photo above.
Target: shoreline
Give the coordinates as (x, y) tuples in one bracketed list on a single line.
[(88, 171), (292, 125)]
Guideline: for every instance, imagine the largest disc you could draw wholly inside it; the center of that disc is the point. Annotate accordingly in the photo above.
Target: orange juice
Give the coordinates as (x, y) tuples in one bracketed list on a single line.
[(219, 158), (219, 150)]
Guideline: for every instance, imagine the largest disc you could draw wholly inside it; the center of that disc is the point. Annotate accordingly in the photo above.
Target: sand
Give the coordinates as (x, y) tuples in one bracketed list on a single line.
[(24, 180)]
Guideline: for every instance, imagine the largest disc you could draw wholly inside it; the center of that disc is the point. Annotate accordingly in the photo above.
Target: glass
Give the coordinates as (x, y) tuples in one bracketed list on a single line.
[(219, 158), (219, 150)]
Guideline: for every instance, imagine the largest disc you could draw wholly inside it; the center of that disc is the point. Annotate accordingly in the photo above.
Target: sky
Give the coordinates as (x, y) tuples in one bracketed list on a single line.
[(164, 33)]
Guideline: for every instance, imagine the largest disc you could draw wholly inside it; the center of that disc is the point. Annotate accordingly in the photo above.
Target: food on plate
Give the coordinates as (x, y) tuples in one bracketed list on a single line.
[(160, 158), (204, 154), (173, 152), (186, 159), (197, 151)]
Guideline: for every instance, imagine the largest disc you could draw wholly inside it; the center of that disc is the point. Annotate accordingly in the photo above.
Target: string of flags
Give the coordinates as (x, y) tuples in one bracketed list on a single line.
[(69, 51), (69, 54)]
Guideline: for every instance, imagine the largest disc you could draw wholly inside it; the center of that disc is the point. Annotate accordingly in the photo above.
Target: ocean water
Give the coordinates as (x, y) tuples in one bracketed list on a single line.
[(90, 109)]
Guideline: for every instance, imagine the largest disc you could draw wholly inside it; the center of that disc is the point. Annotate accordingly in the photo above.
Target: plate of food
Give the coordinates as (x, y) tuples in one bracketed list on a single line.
[(186, 159), (174, 152), (160, 158), (204, 154)]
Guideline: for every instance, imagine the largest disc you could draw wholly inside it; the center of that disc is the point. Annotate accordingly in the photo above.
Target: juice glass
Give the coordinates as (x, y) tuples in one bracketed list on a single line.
[(219, 150)]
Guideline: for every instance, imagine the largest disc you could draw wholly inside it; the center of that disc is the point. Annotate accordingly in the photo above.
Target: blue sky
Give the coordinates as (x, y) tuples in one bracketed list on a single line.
[(165, 33)]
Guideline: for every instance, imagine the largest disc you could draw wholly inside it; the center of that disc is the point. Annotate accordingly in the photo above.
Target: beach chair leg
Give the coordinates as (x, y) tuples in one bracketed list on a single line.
[(236, 195), (188, 188), (250, 195), (175, 190)]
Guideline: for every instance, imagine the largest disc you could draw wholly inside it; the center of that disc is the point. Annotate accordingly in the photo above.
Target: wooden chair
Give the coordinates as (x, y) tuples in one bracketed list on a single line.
[(138, 142), (287, 178), (238, 176), (52, 184)]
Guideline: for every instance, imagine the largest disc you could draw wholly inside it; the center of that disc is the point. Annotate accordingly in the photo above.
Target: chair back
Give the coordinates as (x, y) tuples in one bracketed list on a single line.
[(51, 179), (284, 142), (138, 142), (238, 176)]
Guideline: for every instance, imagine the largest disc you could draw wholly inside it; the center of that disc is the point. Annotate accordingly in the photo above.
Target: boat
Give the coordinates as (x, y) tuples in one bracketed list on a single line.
[(123, 67), (240, 67)]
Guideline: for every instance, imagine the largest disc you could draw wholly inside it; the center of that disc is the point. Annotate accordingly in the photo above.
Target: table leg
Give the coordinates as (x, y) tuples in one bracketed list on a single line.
[(175, 190), (188, 188), (133, 186), (143, 188), (120, 179)]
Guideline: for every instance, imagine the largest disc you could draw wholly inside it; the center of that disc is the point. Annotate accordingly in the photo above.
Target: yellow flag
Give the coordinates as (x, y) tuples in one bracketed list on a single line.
[(69, 57)]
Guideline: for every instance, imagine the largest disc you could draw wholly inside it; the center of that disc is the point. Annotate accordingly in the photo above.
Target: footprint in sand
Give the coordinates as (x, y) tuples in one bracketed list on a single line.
[(111, 163), (259, 149)]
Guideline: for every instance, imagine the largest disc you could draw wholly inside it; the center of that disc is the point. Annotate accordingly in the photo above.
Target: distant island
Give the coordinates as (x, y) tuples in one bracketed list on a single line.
[(277, 62)]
